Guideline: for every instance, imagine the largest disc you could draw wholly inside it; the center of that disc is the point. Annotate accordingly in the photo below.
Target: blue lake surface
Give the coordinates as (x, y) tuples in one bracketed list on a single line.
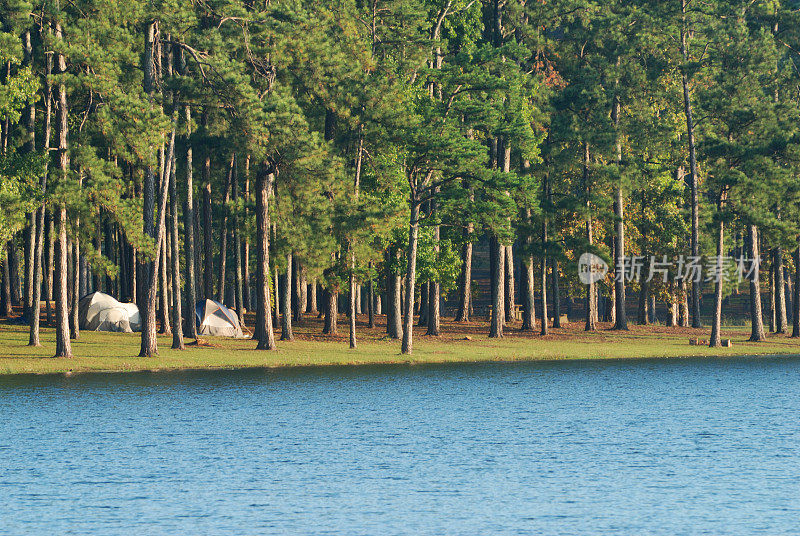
[(692, 446)]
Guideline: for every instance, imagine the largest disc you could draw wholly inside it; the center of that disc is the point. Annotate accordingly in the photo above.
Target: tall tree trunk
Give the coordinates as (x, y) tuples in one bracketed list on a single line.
[(5, 297), (555, 277), (407, 345), (83, 280), (149, 346), (49, 264), (591, 288), (434, 309), (716, 327), (796, 308), (276, 280), (5, 124), (371, 303), (32, 218), (125, 273), (168, 265), (643, 318), (263, 329), (543, 299), (149, 270), (394, 311), (208, 253), (331, 326), (286, 303), (177, 312), (112, 246), (543, 261), (163, 278), (434, 295), (118, 260), (74, 327), (33, 336), (237, 257), (208, 248), (772, 314), (70, 270), (397, 307), (591, 307), (610, 314), (756, 319), (13, 267), (302, 282), (330, 297), (780, 292), (28, 235), (312, 297), (198, 247), (97, 243), (246, 246), (134, 274), (38, 239), (787, 278), (621, 319), (510, 290), (507, 257), (155, 227), (223, 237), (672, 305), (684, 305), (554, 272), (465, 280), (352, 297), (189, 221), (498, 304), (63, 345), (528, 294), (687, 110), (297, 298)]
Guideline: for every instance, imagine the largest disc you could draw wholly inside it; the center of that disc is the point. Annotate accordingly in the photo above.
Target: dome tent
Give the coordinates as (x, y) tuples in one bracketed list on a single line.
[(215, 319), (101, 312)]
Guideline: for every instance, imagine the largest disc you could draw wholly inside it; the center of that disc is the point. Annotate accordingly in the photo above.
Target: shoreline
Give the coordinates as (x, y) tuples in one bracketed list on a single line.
[(397, 363), (113, 353)]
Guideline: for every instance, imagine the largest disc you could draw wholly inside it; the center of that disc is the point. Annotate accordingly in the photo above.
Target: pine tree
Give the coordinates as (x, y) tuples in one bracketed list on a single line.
[(63, 346)]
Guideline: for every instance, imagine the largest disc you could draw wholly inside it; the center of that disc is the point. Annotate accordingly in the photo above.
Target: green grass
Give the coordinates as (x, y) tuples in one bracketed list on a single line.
[(98, 351)]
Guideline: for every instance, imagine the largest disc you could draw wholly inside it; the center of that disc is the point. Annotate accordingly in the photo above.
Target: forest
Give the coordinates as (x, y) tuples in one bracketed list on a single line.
[(345, 157)]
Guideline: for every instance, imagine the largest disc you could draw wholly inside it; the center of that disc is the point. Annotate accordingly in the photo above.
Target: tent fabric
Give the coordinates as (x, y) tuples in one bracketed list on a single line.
[(100, 312), (215, 319), (113, 319), (133, 315)]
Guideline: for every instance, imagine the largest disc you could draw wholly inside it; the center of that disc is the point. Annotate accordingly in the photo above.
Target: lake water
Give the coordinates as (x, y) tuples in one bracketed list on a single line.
[(697, 446)]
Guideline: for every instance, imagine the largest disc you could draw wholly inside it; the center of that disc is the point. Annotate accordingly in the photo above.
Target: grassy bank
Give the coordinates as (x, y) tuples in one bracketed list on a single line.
[(97, 351)]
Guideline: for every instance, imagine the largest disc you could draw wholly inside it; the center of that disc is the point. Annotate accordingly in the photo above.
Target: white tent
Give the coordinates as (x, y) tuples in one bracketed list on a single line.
[(101, 312), (215, 319), (133, 315)]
